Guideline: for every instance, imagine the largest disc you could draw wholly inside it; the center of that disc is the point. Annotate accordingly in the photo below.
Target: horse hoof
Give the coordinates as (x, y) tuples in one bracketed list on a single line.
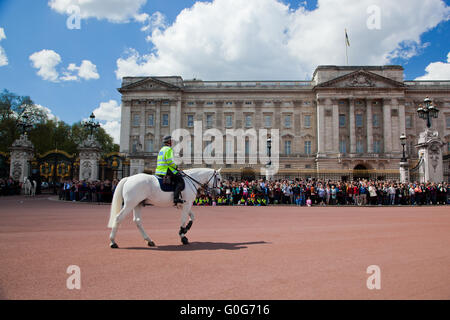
[(185, 240), (114, 246), (151, 244)]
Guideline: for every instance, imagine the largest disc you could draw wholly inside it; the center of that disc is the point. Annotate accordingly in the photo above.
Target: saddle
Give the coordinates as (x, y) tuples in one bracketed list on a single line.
[(166, 184)]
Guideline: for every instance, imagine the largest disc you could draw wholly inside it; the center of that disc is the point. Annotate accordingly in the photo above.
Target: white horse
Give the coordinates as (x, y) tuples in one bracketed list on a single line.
[(140, 189), (29, 187)]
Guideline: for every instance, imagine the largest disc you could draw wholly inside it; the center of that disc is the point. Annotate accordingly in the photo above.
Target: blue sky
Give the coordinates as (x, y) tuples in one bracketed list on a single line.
[(214, 40)]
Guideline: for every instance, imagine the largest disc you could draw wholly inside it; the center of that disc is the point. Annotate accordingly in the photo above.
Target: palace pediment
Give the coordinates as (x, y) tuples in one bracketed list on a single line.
[(149, 84), (360, 79)]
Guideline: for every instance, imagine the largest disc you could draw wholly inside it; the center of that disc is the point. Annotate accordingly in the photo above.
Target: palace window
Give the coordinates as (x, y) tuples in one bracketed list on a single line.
[(307, 121), (165, 119), (308, 147), (248, 121), (342, 120), (287, 147), (149, 145), (190, 103), (342, 146), (408, 121), (151, 120), (209, 120), (447, 121), (359, 147), (229, 121), (359, 120), (136, 120), (247, 147), (190, 120), (287, 121), (375, 121), (376, 146), (228, 147), (267, 121)]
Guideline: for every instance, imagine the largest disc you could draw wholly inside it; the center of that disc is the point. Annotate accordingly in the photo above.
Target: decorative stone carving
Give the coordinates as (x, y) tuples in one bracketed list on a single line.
[(22, 152), (360, 80), (430, 149), (89, 157)]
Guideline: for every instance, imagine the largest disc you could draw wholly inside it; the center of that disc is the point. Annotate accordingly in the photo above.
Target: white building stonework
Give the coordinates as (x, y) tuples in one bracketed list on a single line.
[(89, 159), (345, 119), (22, 152)]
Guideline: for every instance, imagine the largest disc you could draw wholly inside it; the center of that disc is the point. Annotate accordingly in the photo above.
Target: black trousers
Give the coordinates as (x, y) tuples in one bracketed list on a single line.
[(178, 182)]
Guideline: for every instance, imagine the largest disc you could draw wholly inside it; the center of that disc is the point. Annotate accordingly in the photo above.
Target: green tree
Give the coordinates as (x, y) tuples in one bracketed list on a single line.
[(80, 133), (13, 108)]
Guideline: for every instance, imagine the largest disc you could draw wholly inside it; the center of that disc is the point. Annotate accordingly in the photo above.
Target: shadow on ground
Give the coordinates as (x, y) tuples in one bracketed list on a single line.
[(194, 246)]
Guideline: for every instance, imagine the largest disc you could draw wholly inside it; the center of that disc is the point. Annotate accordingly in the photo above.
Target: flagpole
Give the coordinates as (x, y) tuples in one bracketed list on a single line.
[(346, 46), (346, 53)]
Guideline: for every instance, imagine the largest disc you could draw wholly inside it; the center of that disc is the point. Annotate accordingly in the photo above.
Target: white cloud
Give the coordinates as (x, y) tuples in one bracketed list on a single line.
[(3, 57), (118, 11), (267, 39), (108, 113), (437, 70), (47, 61), (48, 112), (87, 70), (113, 129)]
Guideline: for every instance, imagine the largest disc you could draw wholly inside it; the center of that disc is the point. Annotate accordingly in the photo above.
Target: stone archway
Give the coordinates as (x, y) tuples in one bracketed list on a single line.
[(360, 171), (248, 174)]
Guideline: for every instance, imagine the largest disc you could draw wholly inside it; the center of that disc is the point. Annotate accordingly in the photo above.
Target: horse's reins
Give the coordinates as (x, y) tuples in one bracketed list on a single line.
[(203, 185)]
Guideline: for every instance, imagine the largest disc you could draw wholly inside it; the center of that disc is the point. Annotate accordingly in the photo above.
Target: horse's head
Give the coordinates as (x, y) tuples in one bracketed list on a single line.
[(215, 180)]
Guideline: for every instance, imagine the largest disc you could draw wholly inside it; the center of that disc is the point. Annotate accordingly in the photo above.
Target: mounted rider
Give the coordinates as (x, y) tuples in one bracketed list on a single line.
[(167, 167)]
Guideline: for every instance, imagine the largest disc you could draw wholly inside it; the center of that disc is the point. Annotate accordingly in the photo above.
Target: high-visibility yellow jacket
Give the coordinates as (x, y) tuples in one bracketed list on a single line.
[(165, 161)]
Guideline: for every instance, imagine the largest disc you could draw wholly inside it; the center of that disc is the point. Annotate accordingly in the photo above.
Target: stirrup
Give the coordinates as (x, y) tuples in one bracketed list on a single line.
[(177, 201)]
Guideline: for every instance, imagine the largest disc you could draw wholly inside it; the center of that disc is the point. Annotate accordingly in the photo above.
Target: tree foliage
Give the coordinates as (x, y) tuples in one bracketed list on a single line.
[(45, 134)]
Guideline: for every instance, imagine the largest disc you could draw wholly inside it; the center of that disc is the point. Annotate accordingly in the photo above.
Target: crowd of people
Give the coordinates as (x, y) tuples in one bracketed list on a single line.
[(312, 192), (87, 191), (300, 192), (9, 187)]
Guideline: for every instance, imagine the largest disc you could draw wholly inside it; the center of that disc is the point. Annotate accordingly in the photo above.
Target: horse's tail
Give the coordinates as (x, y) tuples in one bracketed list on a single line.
[(116, 204)]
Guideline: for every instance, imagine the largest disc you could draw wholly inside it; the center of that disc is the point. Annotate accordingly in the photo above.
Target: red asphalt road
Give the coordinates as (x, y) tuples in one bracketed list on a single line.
[(235, 252)]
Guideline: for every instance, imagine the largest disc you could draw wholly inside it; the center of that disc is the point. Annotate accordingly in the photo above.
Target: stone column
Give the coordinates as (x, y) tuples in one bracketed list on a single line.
[(89, 159), (335, 105), (22, 152), (125, 124), (321, 126), (387, 126), (142, 125), (430, 150), (172, 116), (369, 126), (178, 115), (352, 126), (157, 138), (404, 172)]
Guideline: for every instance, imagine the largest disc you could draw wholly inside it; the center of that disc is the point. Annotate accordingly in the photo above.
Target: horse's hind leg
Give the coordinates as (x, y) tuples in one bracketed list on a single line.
[(137, 219), (122, 214)]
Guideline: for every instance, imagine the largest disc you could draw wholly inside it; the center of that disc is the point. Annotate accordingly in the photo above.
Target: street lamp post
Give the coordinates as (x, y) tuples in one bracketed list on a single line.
[(91, 124), (23, 123), (428, 111)]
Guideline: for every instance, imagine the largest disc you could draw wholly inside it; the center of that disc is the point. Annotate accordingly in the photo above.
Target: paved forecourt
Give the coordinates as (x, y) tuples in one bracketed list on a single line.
[(235, 252)]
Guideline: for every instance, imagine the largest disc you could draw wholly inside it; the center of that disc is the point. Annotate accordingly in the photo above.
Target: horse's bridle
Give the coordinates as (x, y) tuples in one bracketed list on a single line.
[(204, 185)]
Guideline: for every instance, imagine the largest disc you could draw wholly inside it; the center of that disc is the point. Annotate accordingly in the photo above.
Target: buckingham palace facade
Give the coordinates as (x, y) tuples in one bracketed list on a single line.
[(346, 120)]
